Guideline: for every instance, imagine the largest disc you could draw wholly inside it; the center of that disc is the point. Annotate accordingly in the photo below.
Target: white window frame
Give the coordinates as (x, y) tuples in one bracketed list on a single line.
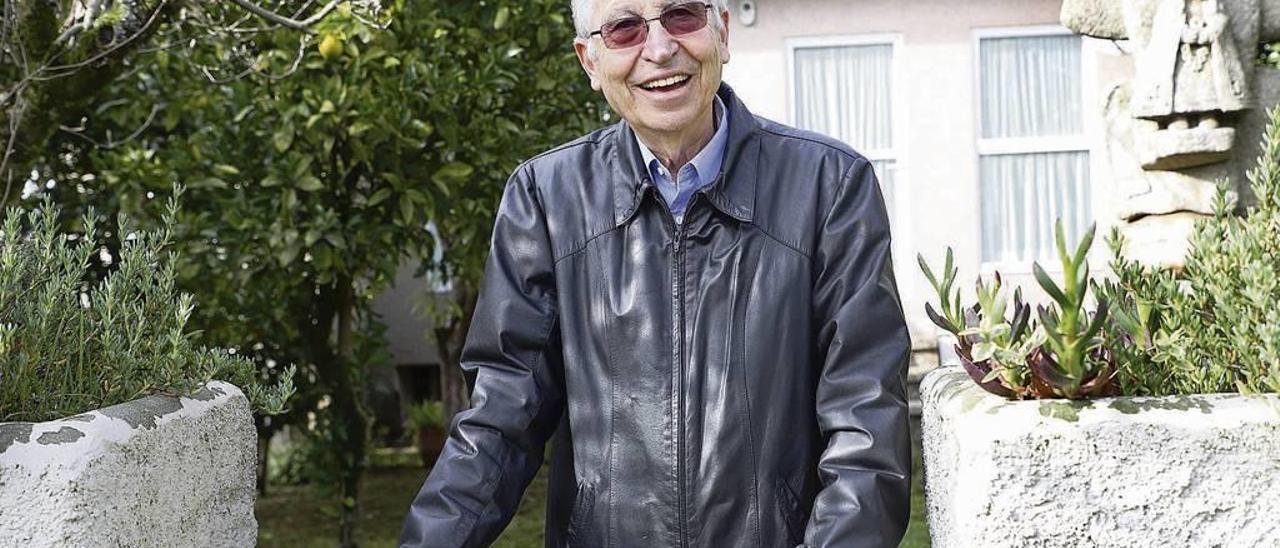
[(1025, 145), (897, 152)]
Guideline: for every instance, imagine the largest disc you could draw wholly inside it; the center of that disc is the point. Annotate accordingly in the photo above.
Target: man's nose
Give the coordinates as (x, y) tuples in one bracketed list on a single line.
[(659, 46)]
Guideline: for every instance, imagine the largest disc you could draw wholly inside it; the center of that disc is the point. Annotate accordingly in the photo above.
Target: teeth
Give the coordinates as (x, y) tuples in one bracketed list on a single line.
[(665, 82)]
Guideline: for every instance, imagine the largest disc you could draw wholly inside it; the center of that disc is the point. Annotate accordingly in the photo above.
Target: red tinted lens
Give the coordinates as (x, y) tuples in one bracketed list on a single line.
[(624, 33), (684, 19)]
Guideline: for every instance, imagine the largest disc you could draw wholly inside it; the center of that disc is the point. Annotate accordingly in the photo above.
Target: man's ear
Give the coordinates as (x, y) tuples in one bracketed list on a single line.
[(724, 37), (588, 64)]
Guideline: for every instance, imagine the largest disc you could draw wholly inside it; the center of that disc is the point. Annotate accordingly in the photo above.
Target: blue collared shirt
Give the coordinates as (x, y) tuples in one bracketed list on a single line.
[(701, 171)]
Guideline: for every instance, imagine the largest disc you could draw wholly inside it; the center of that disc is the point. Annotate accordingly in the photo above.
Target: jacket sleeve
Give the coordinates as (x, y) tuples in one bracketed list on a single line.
[(512, 352), (861, 400)]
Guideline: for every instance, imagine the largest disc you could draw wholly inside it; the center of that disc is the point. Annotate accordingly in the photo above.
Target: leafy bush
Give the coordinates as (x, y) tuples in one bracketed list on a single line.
[(1213, 326), (427, 414), (72, 341)]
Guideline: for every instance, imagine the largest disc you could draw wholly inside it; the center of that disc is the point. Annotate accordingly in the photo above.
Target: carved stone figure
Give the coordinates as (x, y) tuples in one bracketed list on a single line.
[(1171, 129)]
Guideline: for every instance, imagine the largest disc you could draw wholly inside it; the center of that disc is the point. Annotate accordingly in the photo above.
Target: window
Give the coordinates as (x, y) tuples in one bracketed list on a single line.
[(843, 88), (1033, 164)]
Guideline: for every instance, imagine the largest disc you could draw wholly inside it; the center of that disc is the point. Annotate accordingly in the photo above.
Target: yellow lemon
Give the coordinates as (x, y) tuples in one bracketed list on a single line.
[(330, 46)]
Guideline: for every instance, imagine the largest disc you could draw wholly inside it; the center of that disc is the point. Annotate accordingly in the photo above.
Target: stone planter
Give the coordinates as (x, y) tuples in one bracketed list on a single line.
[(1114, 472), (157, 471)]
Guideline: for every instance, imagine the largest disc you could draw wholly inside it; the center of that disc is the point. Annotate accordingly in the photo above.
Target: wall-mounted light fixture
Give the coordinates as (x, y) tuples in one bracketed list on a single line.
[(747, 12)]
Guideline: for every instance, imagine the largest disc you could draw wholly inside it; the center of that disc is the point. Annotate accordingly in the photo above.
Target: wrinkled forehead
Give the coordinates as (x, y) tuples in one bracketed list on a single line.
[(608, 10)]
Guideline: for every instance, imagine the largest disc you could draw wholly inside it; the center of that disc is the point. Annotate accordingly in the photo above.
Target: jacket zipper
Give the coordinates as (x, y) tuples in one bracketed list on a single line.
[(680, 395), (677, 293)]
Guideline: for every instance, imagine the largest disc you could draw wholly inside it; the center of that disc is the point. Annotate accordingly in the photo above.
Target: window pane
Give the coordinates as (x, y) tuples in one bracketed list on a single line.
[(845, 92), (1023, 195), (1031, 86)]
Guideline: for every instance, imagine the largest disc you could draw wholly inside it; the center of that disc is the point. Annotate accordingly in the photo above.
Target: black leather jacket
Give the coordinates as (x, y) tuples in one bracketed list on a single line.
[(737, 380)]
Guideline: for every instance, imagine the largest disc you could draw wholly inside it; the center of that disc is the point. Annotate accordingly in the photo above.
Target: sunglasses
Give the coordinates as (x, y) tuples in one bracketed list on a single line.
[(633, 30)]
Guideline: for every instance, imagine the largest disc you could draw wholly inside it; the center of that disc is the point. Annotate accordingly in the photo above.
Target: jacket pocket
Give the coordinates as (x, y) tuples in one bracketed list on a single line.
[(789, 508), (580, 517)]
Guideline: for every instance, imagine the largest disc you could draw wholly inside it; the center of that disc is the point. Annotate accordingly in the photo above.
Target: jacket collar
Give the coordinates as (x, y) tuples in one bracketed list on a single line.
[(733, 192)]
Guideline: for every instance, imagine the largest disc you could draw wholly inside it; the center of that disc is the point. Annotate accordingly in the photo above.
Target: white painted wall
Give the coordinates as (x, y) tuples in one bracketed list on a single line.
[(937, 94)]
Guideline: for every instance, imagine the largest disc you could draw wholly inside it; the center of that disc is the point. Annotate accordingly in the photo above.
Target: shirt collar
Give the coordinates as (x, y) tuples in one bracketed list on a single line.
[(708, 160), (734, 194)]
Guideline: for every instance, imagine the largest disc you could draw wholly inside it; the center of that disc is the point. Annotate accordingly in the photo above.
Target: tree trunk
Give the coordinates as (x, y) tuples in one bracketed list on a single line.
[(338, 372), (354, 421), (265, 433)]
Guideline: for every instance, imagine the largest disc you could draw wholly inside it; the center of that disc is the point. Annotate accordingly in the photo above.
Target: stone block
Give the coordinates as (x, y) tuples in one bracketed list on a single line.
[(157, 471), (1113, 472)]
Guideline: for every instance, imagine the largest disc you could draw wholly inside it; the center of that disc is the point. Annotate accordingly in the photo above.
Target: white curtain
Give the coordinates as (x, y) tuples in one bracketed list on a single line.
[(1022, 196), (846, 92), (1031, 88)]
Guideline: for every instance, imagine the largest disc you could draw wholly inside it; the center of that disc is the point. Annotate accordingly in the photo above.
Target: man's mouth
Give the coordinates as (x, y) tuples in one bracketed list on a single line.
[(669, 83)]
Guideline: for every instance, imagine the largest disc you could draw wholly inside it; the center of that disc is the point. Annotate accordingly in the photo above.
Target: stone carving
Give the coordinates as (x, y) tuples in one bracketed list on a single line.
[(1171, 129)]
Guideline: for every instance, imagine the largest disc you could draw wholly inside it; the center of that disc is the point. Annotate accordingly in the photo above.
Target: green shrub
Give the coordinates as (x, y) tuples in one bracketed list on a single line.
[(73, 340), (1215, 325), (427, 414)]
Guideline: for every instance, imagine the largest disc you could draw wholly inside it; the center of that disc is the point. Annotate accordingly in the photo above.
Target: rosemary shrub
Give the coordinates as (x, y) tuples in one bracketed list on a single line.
[(1214, 326), (73, 341)]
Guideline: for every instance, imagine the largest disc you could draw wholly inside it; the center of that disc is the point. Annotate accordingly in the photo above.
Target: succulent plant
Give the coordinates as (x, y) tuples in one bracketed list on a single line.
[(1008, 353), (1073, 362)]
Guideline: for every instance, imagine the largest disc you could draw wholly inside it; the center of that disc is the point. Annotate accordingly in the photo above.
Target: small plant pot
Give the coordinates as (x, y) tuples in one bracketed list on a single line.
[(430, 443)]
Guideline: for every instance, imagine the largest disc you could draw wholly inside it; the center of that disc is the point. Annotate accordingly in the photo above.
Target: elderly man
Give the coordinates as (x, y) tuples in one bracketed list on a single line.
[(699, 305)]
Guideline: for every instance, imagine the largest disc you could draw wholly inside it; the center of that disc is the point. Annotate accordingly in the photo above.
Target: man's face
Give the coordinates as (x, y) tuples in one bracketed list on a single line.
[(627, 76)]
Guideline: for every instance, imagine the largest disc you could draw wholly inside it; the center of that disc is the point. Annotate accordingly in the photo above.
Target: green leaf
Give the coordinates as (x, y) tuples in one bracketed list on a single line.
[(406, 211), (282, 139), (1085, 243), (983, 351), (928, 274), (380, 196), (270, 181), (226, 169), (310, 183), (360, 126), (423, 127), (500, 20), (452, 172), (1047, 283), (287, 254), (301, 168)]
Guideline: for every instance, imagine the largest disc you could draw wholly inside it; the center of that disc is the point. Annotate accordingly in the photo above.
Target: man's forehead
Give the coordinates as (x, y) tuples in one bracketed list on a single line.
[(609, 9)]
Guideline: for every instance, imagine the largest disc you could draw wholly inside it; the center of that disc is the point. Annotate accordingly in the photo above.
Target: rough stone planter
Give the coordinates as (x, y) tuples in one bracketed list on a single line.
[(1115, 472), (157, 471)]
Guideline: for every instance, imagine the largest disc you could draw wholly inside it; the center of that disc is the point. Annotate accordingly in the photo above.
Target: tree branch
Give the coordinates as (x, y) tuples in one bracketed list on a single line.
[(289, 22)]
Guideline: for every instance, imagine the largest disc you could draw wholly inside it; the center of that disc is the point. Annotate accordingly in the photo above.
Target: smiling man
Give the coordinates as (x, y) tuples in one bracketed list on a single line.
[(699, 305)]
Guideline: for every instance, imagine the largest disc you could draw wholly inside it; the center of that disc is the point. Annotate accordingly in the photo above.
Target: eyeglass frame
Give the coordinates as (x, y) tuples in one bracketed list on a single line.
[(600, 31)]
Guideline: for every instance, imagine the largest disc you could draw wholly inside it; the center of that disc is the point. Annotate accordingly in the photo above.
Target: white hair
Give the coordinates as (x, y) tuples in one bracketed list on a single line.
[(582, 15)]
